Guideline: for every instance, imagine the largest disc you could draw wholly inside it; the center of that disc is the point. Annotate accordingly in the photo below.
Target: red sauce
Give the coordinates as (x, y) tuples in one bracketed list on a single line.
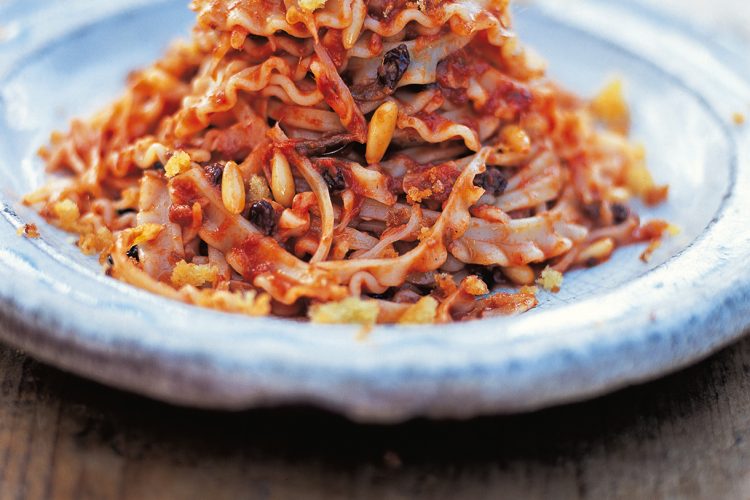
[(181, 214), (509, 100)]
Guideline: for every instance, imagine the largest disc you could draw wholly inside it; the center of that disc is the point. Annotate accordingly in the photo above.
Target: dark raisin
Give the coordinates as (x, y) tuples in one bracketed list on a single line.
[(591, 262), (110, 261), (387, 295), (394, 65), (593, 210), (334, 182), (133, 252), (214, 172), (159, 166), (263, 216), (493, 181), (123, 211), (203, 248), (620, 213)]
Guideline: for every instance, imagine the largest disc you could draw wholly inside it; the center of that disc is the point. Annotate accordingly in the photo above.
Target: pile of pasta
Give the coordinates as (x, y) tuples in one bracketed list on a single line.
[(369, 161)]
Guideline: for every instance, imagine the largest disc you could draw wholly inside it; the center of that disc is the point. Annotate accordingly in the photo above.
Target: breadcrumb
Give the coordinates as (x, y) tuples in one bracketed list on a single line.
[(416, 195), (347, 311), (311, 5), (95, 242), (193, 274), (550, 280), (146, 232), (738, 118), (28, 230), (250, 302), (611, 108), (474, 286), (177, 164), (421, 313), (67, 214), (257, 188)]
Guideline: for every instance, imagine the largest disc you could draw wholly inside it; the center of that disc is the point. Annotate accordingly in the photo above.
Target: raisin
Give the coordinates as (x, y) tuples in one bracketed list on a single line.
[(123, 211), (493, 181), (387, 295), (394, 65), (214, 172), (158, 166), (263, 216), (593, 210), (334, 182), (620, 213), (133, 252)]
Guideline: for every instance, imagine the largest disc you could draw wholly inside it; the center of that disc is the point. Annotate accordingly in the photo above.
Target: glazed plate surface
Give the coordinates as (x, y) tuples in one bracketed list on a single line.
[(614, 325)]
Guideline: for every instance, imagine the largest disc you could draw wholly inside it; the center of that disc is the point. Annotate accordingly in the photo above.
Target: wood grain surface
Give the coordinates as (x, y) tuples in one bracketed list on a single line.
[(686, 436)]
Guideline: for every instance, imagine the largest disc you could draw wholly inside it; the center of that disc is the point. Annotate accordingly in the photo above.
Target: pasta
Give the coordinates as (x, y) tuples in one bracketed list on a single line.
[(388, 161)]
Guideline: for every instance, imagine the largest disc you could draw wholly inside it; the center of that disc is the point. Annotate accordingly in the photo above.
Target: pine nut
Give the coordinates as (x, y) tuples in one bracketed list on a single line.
[(380, 132), (282, 181), (233, 189)]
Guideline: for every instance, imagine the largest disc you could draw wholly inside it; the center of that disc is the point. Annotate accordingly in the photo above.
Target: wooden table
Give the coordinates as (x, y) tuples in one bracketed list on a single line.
[(684, 436)]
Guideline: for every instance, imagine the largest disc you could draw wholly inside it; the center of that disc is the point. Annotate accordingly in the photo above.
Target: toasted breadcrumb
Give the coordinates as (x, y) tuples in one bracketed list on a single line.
[(67, 214), (738, 118), (550, 280), (349, 310), (257, 188), (96, 241), (193, 274), (611, 108), (28, 230), (146, 232), (416, 195), (421, 313), (177, 164), (474, 286), (250, 303), (312, 5)]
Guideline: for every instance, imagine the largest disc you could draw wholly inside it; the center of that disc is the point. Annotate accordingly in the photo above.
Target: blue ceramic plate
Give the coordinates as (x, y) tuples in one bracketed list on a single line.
[(610, 326)]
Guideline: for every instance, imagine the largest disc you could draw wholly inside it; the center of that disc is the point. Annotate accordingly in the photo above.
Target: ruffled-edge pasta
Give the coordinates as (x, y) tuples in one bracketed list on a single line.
[(381, 161)]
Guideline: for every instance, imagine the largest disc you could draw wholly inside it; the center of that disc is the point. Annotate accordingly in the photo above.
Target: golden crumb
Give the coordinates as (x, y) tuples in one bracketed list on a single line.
[(193, 274), (738, 118), (416, 195), (610, 107), (421, 313), (311, 5), (96, 242), (347, 311), (28, 230), (177, 164), (67, 214), (146, 232), (529, 290), (250, 302), (257, 188), (550, 280), (474, 286)]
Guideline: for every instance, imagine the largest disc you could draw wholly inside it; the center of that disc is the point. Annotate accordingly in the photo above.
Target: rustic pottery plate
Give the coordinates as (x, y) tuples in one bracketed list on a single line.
[(614, 325)]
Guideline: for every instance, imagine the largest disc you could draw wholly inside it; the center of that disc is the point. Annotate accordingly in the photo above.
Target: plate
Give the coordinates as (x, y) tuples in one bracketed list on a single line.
[(610, 326)]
